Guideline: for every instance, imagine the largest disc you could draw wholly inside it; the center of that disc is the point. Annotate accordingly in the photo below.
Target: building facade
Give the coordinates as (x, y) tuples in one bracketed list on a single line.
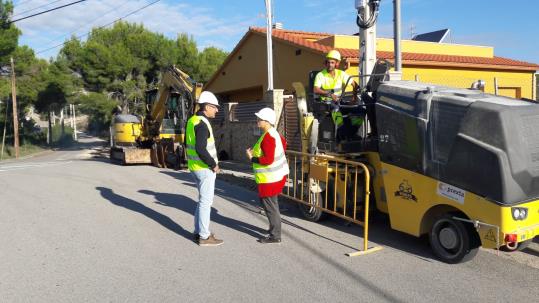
[(243, 76)]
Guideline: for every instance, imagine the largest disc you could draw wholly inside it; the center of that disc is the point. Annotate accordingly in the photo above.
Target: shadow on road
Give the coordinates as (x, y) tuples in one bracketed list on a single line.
[(84, 142), (135, 206), (233, 194), (236, 195), (188, 205), (380, 231), (179, 202), (534, 251)]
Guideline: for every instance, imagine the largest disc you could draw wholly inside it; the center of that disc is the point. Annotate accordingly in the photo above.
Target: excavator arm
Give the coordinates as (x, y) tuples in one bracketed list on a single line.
[(177, 92)]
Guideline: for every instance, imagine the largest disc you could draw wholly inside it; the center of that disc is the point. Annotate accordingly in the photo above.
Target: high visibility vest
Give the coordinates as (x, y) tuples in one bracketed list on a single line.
[(325, 81), (276, 170), (194, 162)]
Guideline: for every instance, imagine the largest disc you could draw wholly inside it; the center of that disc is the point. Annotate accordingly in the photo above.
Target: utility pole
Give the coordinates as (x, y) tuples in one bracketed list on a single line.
[(71, 116), (74, 123), (4, 136), (397, 35), (15, 116), (269, 44), (397, 74), (367, 13)]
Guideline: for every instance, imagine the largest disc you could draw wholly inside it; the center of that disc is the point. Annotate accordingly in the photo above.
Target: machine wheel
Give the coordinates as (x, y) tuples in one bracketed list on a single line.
[(520, 246), (312, 213), (451, 241), (318, 199)]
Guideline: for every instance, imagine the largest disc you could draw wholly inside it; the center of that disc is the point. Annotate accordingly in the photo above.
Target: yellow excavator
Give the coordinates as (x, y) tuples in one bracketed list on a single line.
[(458, 165), (158, 137)]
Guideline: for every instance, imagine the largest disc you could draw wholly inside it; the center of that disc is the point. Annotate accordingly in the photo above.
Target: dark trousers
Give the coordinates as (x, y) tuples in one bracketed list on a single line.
[(271, 208)]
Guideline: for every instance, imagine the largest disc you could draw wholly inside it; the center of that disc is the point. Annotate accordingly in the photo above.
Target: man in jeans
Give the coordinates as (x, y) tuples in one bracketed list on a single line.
[(203, 164)]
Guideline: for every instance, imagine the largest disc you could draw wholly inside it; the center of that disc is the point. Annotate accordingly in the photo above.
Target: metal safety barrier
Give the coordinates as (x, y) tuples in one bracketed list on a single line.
[(323, 183)]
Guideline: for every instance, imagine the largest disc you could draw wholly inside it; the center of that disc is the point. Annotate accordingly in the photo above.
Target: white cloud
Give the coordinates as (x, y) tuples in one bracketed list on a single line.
[(169, 18)]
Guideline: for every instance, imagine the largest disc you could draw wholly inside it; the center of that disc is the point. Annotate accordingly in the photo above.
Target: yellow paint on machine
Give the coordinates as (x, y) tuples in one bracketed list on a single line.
[(413, 200), (126, 132)]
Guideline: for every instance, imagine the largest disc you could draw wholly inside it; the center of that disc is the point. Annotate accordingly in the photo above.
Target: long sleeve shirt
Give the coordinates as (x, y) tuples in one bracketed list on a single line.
[(268, 156), (202, 134)]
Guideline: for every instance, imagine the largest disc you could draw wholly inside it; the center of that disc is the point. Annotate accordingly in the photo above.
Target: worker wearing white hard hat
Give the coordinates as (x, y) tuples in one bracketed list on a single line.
[(203, 163), (207, 97), (270, 168)]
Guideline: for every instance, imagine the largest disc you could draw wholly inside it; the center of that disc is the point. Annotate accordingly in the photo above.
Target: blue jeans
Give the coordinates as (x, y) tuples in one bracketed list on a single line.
[(205, 180)]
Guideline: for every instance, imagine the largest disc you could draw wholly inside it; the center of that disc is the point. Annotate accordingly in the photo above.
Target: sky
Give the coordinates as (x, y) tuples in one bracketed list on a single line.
[(512, 28)]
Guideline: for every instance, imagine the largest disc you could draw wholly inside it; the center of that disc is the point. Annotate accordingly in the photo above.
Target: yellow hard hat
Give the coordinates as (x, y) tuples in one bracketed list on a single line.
[(334, 54)]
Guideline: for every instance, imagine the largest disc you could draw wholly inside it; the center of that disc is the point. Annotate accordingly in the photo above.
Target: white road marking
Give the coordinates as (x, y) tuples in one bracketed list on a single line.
[(31, 165)]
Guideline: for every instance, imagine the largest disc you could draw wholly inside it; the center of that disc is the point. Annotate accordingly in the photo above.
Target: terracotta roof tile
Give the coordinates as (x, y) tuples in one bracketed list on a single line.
[(299, 38)]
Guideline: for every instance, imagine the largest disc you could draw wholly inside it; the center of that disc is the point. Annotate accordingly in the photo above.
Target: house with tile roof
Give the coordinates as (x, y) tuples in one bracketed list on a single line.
[(243, 77)]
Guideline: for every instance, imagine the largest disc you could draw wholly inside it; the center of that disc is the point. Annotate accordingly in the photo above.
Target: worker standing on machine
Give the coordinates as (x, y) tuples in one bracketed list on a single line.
[(270, 168), (330, 83), (203, 164)]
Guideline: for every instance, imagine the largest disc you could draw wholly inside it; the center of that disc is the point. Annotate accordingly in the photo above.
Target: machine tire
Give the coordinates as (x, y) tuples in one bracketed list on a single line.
[(451, 241), (312, 213), (315, 214)]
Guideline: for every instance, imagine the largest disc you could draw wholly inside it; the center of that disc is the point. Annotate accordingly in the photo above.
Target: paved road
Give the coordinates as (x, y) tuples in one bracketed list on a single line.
[(75, 228)]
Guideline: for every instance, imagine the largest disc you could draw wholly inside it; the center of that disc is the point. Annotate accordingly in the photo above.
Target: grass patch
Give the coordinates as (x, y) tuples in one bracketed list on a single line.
[(35, 142), (60, 139), (24, 150)]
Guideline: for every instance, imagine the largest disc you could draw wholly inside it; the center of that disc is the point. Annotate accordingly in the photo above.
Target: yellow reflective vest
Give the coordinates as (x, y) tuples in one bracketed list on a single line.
[(325, 81), (194, 162), (278, 169)]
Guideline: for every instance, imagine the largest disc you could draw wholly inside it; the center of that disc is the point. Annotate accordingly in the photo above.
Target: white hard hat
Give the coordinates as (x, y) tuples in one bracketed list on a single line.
[(267, 114), (208, 97)]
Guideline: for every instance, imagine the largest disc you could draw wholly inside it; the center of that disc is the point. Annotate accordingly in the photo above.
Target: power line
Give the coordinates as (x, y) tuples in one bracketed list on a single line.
[(21, 3), (102, 26), (49, 10), (92, 22), (33, 9)]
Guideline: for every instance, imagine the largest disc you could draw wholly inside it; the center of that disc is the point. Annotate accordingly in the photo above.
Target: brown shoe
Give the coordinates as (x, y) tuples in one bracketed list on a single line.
[(210, 241)]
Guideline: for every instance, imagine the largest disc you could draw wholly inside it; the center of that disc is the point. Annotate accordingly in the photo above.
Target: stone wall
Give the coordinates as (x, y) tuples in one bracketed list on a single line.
[(233, 138), (235, 129)]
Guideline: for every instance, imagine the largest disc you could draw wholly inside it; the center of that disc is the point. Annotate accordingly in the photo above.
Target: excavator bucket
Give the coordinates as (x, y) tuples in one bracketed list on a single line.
[(137, 156)]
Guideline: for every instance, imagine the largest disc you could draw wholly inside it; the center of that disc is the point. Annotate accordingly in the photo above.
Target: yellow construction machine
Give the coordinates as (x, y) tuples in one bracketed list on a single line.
[(125, 130), (158, 137), (458, 165)]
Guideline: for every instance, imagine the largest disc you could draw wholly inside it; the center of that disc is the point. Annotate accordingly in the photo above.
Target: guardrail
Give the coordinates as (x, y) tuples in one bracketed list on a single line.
[(322, 182)]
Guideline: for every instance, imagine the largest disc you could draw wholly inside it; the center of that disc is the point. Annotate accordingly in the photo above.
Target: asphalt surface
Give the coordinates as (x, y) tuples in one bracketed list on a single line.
[(76, 228)]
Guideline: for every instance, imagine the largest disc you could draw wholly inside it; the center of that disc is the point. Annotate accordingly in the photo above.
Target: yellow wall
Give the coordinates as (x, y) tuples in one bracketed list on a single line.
[(246, 79), (463, 78), (410, 46), (250, 71), (244, 73)]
